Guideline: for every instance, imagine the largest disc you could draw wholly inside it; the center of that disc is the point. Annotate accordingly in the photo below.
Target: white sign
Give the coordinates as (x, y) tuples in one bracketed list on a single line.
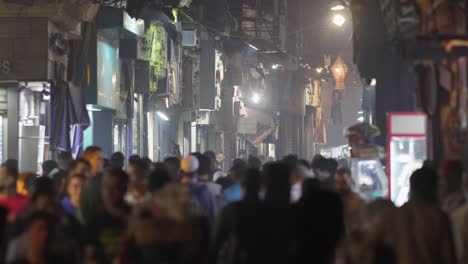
[(407, 124)]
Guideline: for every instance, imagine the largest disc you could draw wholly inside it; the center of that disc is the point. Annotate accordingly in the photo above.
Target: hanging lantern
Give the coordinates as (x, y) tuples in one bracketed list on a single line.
[(339, 71)]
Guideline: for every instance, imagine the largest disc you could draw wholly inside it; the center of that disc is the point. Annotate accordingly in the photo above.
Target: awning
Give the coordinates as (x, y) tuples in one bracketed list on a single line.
[(261, 135), (265, 125)]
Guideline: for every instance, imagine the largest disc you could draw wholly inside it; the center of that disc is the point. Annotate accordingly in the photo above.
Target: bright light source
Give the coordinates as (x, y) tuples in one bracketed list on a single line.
[(339, 20), (319, 70), (338, 7), (162, 115), (255, 98), (252, 46), (373, 82), (360, 119), (275, 66)]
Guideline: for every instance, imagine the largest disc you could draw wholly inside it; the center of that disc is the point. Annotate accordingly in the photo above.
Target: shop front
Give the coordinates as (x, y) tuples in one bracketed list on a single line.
[(110, 95), (30, 66)]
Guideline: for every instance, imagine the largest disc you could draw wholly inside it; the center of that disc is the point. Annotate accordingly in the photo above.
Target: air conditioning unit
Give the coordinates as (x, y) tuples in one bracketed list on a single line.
[(189, 38)]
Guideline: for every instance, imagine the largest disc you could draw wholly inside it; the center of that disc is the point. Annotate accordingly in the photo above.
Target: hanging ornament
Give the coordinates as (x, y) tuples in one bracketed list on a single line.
[(339, 71)]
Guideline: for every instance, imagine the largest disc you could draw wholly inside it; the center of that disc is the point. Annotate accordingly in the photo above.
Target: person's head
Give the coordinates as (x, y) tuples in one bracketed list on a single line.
[(133, 158), (113, 188), (204, 171), (173, 166), (8, 177), (309, 186), (293, 162), (43, 194), (332, 166), (423, 185), (320, 166), (80, 167), (38, 230), (48, 166), (159, 177), (254, 162), (212, 156), (252, 184), (450, 176), (238, 170), (137, 172), (189, 166), (74, 186), (239, 162), (95, 158), (117, 160), (343, 182), (277, 178), (147, 161), (63, 159), (25, 183)]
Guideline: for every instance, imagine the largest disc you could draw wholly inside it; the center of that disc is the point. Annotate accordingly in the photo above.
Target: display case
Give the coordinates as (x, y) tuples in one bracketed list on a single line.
[(407, 150), (369, 178)]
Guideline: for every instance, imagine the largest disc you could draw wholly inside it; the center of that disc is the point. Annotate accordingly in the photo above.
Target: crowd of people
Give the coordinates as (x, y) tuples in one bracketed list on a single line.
[(187, 210)]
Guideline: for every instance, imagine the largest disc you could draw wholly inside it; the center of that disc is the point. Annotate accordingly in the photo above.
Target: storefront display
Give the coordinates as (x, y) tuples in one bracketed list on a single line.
[(407, 151), (366, 166), (33, 127)]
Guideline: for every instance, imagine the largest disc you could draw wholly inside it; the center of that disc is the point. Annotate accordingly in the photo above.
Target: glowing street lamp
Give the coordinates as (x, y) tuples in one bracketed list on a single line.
[(256, 98), (339, 20)]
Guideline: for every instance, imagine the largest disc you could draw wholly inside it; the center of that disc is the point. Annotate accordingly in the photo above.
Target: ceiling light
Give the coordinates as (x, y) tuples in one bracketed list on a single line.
[(338, 7), (339, 20)]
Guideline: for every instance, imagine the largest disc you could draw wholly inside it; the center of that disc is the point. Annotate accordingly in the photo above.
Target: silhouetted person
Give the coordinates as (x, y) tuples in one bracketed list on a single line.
[(48, 166), (202, 199), (63, 160), (319, 225), (205, 176), (243, 220), (133, 158), (39, 233), (9, 198), (173, 167), (214, 162), (117, 160), (159, 177), (352, 202), (254, 162), (279, 212), (323, 172), (90, 197), (137, 192), (417, 232), (233, 192), (106, 230)]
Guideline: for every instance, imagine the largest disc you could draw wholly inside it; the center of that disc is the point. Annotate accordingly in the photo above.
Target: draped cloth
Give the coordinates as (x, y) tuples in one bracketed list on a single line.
[(69, 117)]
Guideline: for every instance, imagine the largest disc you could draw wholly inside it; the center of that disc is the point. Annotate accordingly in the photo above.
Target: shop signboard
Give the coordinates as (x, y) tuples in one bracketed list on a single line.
[(145, 44), (5, 66)]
